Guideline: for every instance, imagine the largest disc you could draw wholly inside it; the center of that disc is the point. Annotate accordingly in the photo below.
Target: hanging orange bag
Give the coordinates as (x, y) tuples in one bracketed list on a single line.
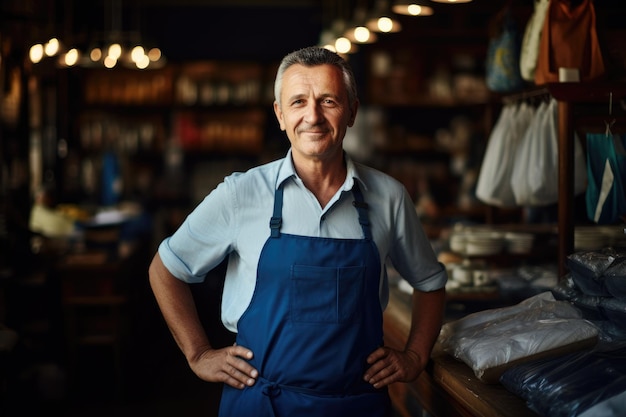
[(569, 40)]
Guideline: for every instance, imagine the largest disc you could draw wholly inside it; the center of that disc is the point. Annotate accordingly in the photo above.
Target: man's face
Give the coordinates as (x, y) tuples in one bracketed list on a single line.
[(314, 110)]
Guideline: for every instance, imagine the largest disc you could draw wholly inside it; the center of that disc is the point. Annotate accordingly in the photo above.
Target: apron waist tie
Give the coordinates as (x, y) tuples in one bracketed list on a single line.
[(270, 389), (273, 389)]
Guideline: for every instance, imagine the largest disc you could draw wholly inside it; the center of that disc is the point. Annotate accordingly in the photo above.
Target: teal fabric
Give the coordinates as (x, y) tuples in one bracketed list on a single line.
[(606, 157)]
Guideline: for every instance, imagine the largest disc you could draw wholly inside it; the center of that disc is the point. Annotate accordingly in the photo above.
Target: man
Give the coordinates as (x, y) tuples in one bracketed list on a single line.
[(306, 239)]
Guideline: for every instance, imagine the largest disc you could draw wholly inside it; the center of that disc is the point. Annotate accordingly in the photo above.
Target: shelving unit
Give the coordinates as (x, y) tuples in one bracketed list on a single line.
[(570, 96), (205, 110), (437, 113)]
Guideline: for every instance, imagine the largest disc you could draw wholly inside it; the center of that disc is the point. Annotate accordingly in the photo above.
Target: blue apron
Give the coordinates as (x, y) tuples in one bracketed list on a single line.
[(314, 318)]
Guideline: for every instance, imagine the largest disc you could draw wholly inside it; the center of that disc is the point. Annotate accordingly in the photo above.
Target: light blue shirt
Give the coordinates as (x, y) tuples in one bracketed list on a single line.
[(233, 220)]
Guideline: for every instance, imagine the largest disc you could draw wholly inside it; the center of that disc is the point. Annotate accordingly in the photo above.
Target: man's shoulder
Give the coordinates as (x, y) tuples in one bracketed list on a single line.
[(261, 173), (374, 178)]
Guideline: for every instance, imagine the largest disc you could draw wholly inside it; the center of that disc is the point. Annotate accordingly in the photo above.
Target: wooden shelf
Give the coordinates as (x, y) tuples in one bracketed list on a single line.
[(588, 92), (568, 96)]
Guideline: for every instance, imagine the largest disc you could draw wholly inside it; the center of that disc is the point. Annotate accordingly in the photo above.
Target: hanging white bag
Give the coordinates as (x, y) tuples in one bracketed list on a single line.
[(494, 180), (526, 158), (544, 150), (535, 178)]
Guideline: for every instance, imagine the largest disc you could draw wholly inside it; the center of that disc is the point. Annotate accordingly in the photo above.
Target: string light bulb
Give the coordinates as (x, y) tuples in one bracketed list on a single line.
[(381, 20), (411, 8), (71, 57), (35, 53), (343, 45)]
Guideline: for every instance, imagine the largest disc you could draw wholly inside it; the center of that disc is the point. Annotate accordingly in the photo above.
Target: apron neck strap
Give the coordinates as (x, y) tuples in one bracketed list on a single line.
[(277, 217), (361, 208), (359, 203)]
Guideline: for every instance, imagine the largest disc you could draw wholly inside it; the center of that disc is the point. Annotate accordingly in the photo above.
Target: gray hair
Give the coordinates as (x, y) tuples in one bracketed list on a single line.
[(314, 56)]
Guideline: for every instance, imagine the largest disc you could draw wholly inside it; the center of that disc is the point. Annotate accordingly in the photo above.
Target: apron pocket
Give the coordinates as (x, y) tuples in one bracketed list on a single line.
[(325, 294)]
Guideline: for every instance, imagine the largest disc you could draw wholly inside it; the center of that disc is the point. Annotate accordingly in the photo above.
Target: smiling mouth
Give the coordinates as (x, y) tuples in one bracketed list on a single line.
[(314, 132)]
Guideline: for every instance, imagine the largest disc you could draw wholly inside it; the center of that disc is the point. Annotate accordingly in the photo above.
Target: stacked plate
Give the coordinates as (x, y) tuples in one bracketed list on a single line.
[(483, 243), (519, 242), (615, 234), (476, 242), (458, 242), (590, 238)]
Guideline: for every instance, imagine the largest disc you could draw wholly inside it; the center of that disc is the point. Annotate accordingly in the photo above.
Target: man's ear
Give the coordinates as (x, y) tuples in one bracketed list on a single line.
[(279, 115), (353, 112)]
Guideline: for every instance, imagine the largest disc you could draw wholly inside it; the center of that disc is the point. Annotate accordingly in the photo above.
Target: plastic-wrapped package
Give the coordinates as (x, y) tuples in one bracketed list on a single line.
[(608, 314), (615, 278), (589, 305), (588, 268), (593, 263), (568, 385), (614, 310), (492, 341), (566, 289), (613, 407)]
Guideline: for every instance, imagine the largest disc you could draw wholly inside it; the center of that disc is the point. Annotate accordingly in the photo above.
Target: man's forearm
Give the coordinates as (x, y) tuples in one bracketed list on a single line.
[(177, 305), (427, 314)]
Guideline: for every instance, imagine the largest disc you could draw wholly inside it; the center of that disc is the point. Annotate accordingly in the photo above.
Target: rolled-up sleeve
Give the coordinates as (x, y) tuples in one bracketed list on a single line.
[(412, 254), (203, 240)]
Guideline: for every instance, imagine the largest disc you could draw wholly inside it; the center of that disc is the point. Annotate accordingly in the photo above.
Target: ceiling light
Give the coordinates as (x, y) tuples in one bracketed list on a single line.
[(115, 51), (384, 24), (35, 53), (154, 54), (358, 32), (411, 8), (381, 21), (52, 47), (108, 49), (343, 45), (362, 34), (71, 57), (334, 39)]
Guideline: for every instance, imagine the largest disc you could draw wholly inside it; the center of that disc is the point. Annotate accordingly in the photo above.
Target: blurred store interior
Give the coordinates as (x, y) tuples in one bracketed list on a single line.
[(100, 160)]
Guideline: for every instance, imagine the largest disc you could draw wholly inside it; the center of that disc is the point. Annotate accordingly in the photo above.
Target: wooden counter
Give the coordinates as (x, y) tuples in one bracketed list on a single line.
[(447, 387)]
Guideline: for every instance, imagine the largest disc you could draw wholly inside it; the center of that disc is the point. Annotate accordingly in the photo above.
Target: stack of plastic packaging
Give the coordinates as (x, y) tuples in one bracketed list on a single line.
[(596, 284), (589, 383), (494, 340)]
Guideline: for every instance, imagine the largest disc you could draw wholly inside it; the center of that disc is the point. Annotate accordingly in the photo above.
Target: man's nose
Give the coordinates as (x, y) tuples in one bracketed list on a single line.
[(314, 113)]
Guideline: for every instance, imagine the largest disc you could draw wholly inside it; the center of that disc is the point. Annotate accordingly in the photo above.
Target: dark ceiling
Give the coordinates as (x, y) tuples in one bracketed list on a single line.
[(184, 29), (187, 29), (258, 33), (262, 30), (214, 29)]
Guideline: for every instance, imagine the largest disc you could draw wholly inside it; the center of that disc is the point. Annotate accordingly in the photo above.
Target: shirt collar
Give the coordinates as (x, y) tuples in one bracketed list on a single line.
[(287, 170)]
